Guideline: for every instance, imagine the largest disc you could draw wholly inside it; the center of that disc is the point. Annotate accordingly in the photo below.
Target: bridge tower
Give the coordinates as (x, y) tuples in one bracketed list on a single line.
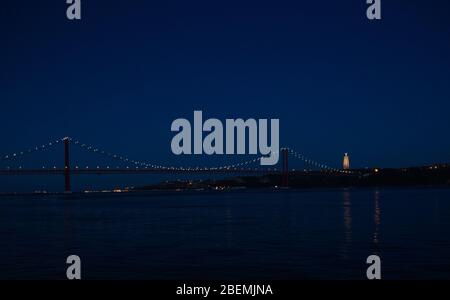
[(285, 171), (67, 165)]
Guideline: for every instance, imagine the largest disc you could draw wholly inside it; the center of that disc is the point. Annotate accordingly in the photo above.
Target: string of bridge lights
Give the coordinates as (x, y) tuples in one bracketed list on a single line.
[(312, 162), (141, 164), (147, 165), (43, 147)]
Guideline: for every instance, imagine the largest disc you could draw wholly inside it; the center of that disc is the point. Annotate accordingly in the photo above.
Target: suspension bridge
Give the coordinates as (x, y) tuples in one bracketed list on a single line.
[(140, 167)]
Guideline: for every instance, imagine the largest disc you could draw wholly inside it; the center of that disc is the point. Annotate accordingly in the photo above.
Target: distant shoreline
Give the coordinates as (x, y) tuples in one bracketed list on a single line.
[(436, 175), (211, 191), (427, 176)]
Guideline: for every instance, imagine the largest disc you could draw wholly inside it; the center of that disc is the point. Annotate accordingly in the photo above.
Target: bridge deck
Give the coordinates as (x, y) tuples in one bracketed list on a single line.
[(128, 171)]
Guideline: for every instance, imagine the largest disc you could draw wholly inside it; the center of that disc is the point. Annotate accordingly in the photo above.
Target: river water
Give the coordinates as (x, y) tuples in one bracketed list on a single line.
[(248, 234)]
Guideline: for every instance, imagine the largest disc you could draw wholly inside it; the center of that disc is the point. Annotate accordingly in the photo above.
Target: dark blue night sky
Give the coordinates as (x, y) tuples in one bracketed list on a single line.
[(337, 82)]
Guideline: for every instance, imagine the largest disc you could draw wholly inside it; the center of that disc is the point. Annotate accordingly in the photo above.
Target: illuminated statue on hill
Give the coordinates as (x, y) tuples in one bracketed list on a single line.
[(346, 162)]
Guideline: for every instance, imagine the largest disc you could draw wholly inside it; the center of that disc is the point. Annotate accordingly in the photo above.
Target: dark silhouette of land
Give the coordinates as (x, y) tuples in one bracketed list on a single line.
[(435, 175)]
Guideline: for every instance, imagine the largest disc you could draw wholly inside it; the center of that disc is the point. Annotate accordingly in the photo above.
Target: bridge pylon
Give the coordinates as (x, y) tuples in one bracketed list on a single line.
[(67, 165)]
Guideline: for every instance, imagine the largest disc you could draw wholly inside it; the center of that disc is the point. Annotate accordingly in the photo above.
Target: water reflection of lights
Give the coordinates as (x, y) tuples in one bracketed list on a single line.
[(377, 218)]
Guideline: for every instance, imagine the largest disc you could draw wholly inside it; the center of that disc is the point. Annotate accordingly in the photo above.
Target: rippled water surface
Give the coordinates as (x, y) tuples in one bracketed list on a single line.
[(289, 234)]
